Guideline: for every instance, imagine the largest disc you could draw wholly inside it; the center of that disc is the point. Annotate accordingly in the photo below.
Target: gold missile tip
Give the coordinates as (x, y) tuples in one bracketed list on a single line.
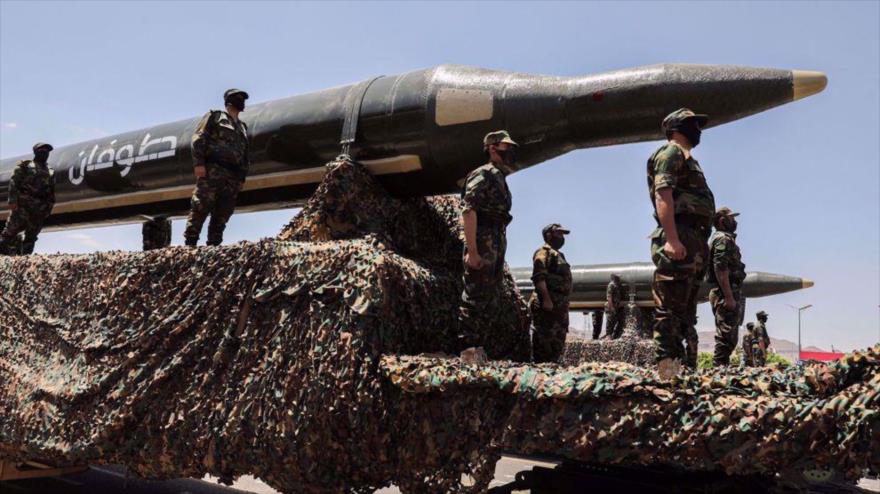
[(807, 83), (805, 283)]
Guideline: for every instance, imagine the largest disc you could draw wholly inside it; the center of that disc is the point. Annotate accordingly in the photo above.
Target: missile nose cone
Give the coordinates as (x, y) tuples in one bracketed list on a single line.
[(806, 283), (807, 83)]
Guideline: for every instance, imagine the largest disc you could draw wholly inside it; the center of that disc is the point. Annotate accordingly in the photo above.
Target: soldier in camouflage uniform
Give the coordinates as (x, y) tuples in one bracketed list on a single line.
[(551, 275), (725, 278), (683, 208), (761, 342), (613, 309), (156, 233), (220, 164), (748, 342), (486, 203), (31, 199)]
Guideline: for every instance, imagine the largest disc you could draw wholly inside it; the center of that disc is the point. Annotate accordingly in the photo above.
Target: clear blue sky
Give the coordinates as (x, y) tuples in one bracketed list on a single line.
[(804, 176)]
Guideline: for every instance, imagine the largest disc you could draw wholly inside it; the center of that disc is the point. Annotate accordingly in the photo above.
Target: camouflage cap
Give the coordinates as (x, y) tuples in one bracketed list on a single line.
[(231, 92), (675, 119), (725, 211), (750, 325), (554, 227), (41, 145), (497, 137), (761, 314)]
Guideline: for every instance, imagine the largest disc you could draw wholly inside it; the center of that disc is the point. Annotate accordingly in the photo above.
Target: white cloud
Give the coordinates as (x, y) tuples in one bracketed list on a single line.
[(85, 239), (9, 125)]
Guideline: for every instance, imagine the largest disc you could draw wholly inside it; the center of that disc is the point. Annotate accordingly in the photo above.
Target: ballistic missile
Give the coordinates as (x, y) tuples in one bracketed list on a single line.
[(419, 132), (590, 281)]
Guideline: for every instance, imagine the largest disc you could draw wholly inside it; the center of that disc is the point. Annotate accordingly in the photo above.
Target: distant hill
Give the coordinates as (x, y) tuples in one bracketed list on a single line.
[(787, 349)]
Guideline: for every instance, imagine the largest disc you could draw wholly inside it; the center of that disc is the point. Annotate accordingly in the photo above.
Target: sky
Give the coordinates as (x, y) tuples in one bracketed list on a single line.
[(804, 176)]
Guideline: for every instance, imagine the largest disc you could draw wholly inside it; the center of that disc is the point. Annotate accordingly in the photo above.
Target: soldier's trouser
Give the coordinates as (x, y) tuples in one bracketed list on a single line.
[(726, 324), (613, 323), (675, 288), (548, 340), (482, 287), (747, 351), (597, 323), (759, 356), (215, 194), (27, 220)]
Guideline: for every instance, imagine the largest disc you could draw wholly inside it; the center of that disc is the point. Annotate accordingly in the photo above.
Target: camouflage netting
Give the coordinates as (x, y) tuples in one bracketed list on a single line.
[(629, 348), (754, 421), (253, 358), (267, 358)]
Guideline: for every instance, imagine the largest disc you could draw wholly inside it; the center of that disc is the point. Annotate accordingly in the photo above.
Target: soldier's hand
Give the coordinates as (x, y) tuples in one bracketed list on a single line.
[(729, 303), (473, 260), (547, 305), (199, 171), (674, 250)]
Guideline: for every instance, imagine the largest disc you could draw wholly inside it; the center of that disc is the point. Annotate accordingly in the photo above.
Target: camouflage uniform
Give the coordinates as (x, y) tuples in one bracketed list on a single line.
[(221, 145), (748, 341), (486, 193), (725, 255), (32, 188), (156, 233), (760, 343), (549, 265), (614, 312), (676, 283)]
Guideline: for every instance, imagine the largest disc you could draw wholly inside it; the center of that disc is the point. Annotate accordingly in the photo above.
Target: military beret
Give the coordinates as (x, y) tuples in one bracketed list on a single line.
[(231, 92), (676, 118), (725, 211), (554, 227), (41, 145), (497, 137)]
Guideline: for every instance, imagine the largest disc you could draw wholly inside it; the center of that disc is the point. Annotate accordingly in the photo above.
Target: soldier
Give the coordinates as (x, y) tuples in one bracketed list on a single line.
[(747, 345), (31, 199), (613, 309), (551, 275), (156, 233), (220, 164), (761, 342), (725, 278), (683, 208), (597, 323), (486, 203)]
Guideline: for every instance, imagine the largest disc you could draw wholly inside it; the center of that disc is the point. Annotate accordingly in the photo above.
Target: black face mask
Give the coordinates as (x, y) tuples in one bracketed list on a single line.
[(727, 225), (237, 103), (692, 131), (508, 155), (41, 156), (556, 241)]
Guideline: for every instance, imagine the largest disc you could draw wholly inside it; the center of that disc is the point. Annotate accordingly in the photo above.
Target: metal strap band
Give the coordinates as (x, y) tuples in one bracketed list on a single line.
[(353, 101)]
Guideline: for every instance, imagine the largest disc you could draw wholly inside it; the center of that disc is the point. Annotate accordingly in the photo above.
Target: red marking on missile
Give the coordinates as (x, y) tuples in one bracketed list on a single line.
[(598, 96)]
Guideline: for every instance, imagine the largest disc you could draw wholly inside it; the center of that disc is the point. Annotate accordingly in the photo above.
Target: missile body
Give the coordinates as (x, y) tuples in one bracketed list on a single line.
[(420, 132), (590, 281)]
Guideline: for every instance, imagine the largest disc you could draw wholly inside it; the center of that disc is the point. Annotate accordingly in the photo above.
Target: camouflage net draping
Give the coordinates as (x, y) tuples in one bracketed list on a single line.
[(630, 348), (267, 359), (753, 421)]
